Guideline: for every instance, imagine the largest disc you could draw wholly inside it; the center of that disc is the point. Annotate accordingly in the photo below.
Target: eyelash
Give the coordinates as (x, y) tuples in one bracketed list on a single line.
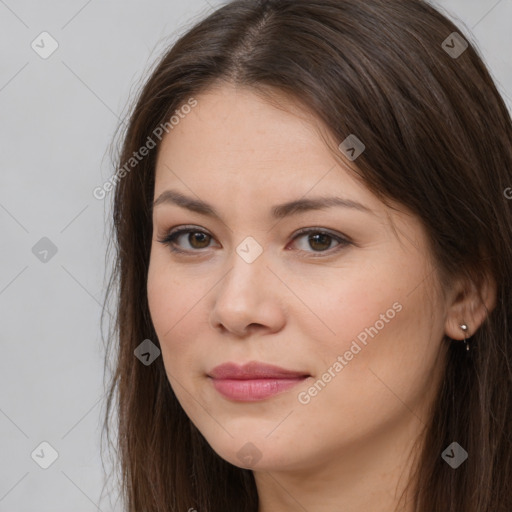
[(169, 241)]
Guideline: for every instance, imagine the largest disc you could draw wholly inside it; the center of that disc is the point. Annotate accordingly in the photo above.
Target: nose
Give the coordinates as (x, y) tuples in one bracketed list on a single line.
[(249, 298)]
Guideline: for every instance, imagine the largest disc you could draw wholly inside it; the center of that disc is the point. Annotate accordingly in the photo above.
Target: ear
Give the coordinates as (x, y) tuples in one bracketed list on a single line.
[(468, 304)]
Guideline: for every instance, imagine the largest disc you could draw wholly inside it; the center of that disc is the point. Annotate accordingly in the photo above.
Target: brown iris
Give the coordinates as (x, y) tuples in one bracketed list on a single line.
[(201, 238), (320, 241)]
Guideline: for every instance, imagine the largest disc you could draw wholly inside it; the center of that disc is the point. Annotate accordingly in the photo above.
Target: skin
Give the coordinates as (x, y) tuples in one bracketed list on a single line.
[(351, 443)]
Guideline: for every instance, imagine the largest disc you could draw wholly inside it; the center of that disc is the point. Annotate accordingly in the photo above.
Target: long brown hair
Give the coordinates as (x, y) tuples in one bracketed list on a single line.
[(438, 141)]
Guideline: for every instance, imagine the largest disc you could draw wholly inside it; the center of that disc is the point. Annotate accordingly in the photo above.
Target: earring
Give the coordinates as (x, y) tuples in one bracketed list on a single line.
[(464, 327)]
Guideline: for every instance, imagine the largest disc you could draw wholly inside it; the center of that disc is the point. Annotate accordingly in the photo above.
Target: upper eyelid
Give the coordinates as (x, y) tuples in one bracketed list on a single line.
[(184, 229)]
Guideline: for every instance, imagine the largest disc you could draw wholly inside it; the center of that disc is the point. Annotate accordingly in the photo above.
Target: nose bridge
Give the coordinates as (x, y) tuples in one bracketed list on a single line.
[(244, 296), (248, 264)]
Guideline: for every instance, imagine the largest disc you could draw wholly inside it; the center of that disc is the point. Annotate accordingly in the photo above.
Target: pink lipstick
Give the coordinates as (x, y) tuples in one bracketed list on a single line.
[(253, 381)]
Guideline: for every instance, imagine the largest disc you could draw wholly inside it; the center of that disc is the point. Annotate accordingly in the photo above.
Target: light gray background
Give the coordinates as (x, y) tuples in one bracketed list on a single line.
[(57, 120)]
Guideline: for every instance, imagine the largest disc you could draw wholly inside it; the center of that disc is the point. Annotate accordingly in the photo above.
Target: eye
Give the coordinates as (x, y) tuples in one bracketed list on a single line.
[(196, 239), (319, 240)]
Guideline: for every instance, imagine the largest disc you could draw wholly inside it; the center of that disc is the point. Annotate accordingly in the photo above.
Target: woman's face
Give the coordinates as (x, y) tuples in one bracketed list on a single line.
[(362, 318)]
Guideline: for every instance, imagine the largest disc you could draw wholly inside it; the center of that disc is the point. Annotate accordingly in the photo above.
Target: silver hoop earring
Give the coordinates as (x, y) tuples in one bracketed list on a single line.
[(464, 327)]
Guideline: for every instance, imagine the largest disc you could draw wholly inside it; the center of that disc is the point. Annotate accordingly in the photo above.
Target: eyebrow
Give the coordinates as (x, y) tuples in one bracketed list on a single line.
[(279, 211)]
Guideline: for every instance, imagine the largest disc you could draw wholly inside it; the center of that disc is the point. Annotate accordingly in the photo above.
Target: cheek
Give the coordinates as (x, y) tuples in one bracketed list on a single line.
[(388, 340), (170, 294), (351, 306), (174, 305), (160, 297), (375, 322), (164, 307)]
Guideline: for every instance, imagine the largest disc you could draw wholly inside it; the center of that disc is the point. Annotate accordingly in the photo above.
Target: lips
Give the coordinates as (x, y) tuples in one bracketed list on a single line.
[(254, 370), (253, 381)]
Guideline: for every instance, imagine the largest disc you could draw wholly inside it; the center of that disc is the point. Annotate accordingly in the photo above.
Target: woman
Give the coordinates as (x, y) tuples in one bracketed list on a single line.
[(314, 255)]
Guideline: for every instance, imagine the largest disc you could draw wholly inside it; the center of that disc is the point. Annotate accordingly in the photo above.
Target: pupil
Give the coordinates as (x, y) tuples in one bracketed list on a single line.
[(322, 237), (204, 238)]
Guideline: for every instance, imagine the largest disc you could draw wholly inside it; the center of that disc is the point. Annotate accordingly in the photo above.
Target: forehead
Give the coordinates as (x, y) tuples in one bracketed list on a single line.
[(234, 136), (235, 123)]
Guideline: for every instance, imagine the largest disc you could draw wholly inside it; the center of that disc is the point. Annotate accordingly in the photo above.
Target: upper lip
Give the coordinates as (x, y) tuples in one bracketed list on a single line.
[(253, 370)]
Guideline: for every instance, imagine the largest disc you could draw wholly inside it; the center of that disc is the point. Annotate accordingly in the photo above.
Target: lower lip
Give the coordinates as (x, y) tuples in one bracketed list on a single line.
[(253, 390)]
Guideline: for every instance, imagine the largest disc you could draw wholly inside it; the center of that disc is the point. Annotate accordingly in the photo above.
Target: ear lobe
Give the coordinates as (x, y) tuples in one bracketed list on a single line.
[(471, 306)]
